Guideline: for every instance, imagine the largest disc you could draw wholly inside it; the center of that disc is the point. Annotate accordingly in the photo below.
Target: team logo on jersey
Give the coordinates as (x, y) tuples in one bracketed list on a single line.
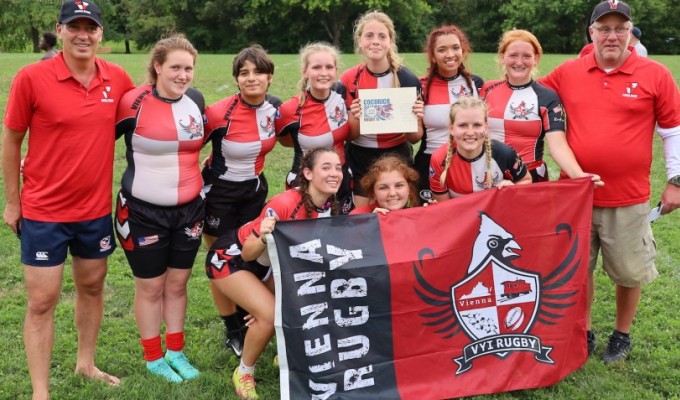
[(630, 88), (462, 92), (267, 126), (483, 184), (194, 233), (105, 95), (194, 128), (521, 111), (496, 304), (338, 115)]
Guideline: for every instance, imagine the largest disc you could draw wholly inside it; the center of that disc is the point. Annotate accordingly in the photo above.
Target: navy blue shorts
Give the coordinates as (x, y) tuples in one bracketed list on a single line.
[(232, 204), (44, 244), (156, 238)]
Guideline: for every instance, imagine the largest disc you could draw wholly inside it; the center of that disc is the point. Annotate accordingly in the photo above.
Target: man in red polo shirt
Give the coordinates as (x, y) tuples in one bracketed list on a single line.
[(614, 100), (68, 104)]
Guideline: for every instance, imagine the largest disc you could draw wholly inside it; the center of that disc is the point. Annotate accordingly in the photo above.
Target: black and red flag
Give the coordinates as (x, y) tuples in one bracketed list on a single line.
[(480, 294)]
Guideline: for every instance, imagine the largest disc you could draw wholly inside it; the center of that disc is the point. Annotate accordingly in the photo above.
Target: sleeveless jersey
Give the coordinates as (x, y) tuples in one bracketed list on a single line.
[(317, 123), (359, 77), (439, 96), (163, 139), (467, 176), (521, 116), (241, 136)]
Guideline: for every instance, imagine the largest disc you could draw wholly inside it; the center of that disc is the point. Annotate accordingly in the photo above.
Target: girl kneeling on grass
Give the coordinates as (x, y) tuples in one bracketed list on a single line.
[(320, 179), (470, 161)]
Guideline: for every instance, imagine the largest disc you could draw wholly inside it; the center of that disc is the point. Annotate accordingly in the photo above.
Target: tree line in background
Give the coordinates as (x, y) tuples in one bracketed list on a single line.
[(283, 26)]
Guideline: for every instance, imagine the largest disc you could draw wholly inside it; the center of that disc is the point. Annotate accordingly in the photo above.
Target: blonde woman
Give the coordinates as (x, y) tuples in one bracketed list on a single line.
[(375, 39), (471, 161)]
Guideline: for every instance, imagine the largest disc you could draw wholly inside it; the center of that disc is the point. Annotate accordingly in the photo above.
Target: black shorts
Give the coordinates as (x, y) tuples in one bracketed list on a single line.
[(422, 165), (224, 259), (360, 159), (230, 205), (156, 238)]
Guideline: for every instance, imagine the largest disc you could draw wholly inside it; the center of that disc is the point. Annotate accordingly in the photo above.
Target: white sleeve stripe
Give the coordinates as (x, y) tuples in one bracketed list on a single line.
[(671, 144)]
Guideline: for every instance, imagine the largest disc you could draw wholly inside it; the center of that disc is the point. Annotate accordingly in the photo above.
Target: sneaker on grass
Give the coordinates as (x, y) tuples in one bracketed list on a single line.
[(161, 368), (180, 363), (244, 385), (618, 347)]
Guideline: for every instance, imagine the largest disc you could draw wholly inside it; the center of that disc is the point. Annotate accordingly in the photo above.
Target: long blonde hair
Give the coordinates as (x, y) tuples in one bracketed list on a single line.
[(305, 53), (392, 54), (465, 103)]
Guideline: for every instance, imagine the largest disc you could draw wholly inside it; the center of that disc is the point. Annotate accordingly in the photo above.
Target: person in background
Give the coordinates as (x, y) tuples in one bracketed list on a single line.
[(160, 210), (242, 132), (448, 78), (65, 201), (375, 39), (615, 100), (317, 115), (523, 113), (48, 42), (390, 185), (471, 161), (635, 42)]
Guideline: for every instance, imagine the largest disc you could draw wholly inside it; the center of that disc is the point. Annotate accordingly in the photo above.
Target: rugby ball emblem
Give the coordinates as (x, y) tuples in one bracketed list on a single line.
[(514, 319)]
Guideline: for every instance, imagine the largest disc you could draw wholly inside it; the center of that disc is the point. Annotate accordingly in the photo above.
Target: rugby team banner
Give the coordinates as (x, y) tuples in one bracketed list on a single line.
[(481, 294)]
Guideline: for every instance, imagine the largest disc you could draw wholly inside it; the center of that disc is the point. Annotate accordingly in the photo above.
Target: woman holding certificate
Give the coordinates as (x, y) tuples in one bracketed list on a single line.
[(375, 39), (448, 78)]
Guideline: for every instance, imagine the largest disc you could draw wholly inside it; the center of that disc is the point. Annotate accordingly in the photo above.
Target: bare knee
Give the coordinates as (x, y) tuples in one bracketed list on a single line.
[(39, 304)]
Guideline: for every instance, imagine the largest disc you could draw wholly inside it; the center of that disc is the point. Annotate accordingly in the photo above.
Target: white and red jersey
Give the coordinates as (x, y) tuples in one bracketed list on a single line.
[(439, 95), (467, 176), (288, 206), (521, 116), (68, 169), (241, 136), (317, 123), (163, 138), (612, 119), (359, 77)]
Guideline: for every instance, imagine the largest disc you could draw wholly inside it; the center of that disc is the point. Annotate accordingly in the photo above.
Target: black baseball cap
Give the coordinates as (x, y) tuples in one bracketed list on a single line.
[(74, 9), (608, 7)]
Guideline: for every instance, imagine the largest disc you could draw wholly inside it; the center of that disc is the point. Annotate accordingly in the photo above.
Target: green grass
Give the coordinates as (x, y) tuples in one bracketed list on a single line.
[(653, 372)]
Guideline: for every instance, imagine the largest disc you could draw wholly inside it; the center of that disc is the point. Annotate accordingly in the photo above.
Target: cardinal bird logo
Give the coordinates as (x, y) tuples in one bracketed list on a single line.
[(496, 304)]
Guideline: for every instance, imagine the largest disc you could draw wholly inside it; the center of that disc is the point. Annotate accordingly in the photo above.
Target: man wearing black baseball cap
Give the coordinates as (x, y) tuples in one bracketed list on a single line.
[(615, 99), (72, 10), (69, 104)]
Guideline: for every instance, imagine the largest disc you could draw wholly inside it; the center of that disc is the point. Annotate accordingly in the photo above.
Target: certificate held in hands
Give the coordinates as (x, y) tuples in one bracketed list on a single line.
[(388, 110)]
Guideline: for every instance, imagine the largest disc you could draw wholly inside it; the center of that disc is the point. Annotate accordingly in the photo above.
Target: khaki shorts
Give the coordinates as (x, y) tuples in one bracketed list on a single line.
[(627, 243)]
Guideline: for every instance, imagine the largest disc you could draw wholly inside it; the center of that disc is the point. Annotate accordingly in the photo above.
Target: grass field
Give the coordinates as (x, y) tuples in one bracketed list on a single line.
[(653, 371)]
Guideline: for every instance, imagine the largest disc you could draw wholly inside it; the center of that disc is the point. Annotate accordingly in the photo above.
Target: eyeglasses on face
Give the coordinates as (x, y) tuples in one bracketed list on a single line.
[(607, 30)]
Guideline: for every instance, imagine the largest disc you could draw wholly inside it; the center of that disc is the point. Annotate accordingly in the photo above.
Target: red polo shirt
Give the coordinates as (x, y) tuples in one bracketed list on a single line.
[(611, 119), (68, 168)]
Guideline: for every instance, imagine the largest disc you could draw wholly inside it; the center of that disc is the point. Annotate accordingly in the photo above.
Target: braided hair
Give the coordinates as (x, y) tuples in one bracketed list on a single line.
[(429, 50), (309, 161), (305, 53), (464, 103), (392, 54)]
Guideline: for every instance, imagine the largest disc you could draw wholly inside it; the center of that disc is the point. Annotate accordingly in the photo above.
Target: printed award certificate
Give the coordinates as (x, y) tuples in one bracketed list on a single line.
[(388, 110)]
